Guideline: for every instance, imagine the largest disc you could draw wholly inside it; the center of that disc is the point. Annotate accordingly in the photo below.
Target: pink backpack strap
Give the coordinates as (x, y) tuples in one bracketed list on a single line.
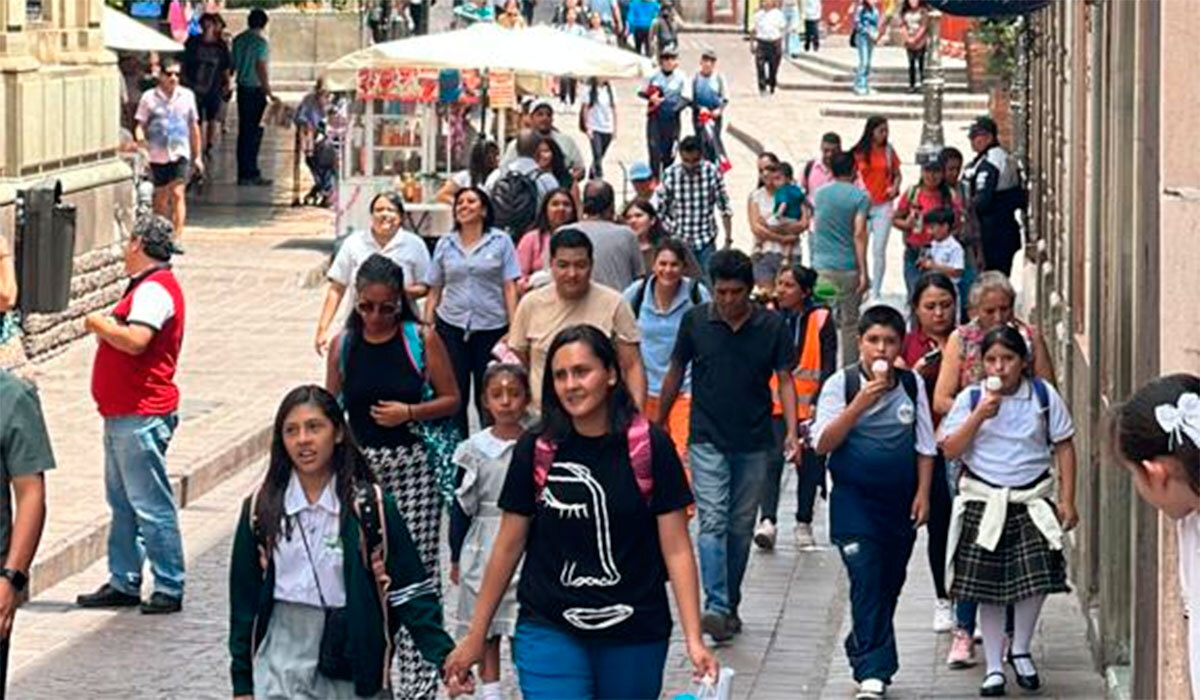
[(640, 457), (543, 458)]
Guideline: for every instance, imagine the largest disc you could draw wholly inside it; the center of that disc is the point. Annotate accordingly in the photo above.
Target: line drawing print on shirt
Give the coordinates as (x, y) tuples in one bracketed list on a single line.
[(587, 618)]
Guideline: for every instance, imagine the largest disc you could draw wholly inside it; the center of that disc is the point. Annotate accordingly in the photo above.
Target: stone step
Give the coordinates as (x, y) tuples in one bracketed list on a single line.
[(844, 75), (891, 89), (826, 62), (849, 110), (908, 100)]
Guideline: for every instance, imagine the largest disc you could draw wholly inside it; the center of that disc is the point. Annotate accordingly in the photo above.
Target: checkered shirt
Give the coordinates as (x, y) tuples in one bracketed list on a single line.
[(688, 199)]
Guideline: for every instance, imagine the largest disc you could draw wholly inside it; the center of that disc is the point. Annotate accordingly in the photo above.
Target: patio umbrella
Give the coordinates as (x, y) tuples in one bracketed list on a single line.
[(988, 8), (124, 33), (527, 52)]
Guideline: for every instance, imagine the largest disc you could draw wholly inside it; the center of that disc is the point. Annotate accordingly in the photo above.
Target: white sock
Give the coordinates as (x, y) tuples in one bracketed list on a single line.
[(991, 625), (491, 691), (1025, 617)]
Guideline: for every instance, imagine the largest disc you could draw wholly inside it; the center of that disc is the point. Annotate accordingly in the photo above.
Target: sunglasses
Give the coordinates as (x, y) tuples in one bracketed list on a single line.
[(171, 73), (367, 308)]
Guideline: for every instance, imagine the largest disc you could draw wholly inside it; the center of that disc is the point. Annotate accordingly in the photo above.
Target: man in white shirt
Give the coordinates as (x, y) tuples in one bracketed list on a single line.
[(168, 128), (812, 25), (769, 28)]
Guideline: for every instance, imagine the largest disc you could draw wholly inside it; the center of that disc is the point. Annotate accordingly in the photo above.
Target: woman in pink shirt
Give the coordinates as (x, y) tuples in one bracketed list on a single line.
[(558, 209)]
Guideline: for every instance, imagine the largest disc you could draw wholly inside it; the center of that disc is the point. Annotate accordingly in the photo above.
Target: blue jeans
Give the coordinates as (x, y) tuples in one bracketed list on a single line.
[(866, 47), (703, 257), (145, 523), (728, 487), (964, 287), (553, 664), (912, 273), (791, 43), (876, 569), (879, 227)]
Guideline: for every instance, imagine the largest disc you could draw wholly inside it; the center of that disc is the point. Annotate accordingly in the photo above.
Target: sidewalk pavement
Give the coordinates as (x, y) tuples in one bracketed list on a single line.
[(248, 340)]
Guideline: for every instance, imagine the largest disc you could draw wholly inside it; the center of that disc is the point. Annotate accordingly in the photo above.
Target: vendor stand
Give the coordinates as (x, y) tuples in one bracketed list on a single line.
[(419, 103)]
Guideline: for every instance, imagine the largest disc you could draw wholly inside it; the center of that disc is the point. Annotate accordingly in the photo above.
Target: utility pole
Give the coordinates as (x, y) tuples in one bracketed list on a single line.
[(932, 136)]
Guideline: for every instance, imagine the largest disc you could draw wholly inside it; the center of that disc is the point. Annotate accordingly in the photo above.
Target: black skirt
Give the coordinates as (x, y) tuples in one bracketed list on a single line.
[(1021, 566)]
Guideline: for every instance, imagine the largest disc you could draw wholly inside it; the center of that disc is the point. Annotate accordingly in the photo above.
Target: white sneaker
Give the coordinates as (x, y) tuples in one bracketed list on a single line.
[(871, 689), (943, 616), (764, 535), (804, 536)]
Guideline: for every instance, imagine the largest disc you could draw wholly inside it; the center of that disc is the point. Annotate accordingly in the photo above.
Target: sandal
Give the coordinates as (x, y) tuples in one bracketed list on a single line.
[(1030, 682), (994, 690)]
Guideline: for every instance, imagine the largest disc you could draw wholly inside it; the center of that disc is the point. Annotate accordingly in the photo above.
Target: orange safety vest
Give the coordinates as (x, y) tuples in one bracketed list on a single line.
[(806, 378)]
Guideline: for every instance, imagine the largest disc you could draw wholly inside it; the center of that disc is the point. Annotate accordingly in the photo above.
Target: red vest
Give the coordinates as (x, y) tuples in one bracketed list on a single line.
[(141, 385)]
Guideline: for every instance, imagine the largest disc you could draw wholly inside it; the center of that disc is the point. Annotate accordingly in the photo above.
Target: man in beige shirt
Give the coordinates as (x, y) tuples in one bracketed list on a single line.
[(574, 299)]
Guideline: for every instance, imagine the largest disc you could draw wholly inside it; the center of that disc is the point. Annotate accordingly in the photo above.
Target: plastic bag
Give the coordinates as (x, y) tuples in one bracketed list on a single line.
[(708, 689)]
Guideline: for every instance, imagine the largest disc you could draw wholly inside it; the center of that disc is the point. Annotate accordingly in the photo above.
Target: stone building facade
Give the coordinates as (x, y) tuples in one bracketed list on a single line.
[(60, 99), (1115, 190)]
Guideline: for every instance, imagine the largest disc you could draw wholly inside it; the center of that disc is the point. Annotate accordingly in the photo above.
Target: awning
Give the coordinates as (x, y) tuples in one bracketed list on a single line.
[(988, 8), (124, 33), (527, 52)]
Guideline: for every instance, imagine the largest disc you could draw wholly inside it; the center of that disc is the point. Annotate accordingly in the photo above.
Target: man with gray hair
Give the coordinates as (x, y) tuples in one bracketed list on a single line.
[(133, 384)]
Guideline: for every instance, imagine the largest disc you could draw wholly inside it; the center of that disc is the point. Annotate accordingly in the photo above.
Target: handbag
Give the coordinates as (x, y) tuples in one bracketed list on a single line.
[(439, 436), (332, 661)]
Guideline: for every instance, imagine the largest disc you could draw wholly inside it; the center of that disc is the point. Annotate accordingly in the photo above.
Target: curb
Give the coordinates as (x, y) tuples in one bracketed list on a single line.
[(90, 542), (745, 139)]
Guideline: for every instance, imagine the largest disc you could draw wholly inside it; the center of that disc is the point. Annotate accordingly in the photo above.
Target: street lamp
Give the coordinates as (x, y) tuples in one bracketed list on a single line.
[(932, 136)]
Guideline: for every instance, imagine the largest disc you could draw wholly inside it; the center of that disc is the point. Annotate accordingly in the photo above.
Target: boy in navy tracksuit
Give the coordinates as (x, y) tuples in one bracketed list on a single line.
[(873, 421)]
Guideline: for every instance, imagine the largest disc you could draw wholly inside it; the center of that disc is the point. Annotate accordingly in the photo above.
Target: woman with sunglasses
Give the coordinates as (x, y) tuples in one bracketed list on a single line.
[(472, 292), (385, 237), (379, 365)]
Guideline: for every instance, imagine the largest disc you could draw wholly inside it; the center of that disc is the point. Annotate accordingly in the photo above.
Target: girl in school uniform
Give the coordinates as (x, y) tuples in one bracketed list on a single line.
[(1156, 435), (1006, 532), (302, 581), (482, 466)]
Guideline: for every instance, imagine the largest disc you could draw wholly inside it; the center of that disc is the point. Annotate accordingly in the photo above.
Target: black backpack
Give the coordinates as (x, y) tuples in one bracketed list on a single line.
[(515, 202), (908, 379), (693, 293)]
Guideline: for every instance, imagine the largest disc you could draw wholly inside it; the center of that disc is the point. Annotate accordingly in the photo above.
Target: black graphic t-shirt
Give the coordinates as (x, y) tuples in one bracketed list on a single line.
[(592, 560)]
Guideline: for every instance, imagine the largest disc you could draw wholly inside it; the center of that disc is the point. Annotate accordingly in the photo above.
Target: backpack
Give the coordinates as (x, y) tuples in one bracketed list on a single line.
[(640, 295), (1043, 398), (808, 168), (515, 202), (908, 380), (640, 458)]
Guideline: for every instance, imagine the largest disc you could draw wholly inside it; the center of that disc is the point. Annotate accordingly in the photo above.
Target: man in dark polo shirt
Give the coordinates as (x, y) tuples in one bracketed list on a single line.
[(24, 455), (733, 346)]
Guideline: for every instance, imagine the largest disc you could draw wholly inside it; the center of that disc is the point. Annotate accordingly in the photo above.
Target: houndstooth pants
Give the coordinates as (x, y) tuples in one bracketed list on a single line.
[(405, 473)]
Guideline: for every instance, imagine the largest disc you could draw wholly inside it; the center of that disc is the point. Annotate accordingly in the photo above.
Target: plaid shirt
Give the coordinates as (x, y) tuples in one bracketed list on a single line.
[(687, 200)]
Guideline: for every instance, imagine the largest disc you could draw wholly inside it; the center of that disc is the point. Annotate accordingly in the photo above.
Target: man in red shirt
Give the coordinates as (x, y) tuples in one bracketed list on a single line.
[(133, 384)]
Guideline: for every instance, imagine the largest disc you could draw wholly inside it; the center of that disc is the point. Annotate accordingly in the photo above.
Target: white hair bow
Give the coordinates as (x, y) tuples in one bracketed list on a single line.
[(1180, 419)]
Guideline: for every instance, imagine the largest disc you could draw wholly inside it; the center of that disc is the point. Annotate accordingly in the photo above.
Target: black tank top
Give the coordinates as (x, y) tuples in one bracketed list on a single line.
[(379, 372)]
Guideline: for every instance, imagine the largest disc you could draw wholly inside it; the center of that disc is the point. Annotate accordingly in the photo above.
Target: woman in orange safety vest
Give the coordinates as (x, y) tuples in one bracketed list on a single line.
[(815, 335)]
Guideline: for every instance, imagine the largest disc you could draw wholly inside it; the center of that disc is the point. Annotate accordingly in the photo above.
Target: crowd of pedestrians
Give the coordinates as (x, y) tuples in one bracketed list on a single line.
[(627, 374)]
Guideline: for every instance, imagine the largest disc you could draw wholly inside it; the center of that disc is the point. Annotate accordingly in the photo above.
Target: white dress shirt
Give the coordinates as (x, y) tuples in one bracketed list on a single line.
[(769, 25), (321, 523)]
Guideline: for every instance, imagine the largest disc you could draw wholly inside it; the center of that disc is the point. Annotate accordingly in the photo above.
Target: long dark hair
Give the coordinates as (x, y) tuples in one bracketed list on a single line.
[(924, 282), (542, 224), (558, 162), (657, 231), (1136, 434), (556, 423), (1009, 337), (379, 269), (479, 164), (348, 463), (489, 213), (862, 149)]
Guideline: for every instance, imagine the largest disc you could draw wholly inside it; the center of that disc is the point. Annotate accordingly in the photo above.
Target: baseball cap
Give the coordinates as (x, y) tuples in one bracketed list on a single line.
[(640, 171), (157, 236), (983, 125), (709, 53), (539, 103)]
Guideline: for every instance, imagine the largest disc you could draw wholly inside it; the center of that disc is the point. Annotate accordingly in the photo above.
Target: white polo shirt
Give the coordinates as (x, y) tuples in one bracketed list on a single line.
[(1011, 449), (321, 524), (406, 249)]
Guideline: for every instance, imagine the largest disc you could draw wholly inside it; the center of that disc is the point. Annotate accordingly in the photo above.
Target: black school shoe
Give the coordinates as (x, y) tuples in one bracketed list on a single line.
[(1031, 682), (162, 604), (992, 691), (107, 597)]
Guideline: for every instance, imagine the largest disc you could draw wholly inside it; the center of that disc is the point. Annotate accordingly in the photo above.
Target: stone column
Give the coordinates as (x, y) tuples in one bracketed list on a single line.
[(932, 135)]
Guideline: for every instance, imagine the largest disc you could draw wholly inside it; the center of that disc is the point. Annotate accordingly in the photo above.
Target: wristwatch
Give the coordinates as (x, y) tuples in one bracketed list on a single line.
[(18, 579)]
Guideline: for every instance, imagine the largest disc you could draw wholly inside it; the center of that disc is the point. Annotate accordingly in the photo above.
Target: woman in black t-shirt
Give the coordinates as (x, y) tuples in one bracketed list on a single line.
[(601, 525)]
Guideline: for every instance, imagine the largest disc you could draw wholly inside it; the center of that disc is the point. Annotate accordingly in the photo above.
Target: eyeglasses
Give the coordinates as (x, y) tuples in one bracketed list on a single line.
[(366, 308)]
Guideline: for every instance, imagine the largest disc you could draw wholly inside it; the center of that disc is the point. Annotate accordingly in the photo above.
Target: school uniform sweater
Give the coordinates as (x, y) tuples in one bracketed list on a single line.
[(412, 600)]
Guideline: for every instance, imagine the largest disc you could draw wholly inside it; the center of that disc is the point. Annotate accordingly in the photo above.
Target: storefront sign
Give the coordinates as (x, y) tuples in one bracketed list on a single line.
[(418, 85), (502, 89)]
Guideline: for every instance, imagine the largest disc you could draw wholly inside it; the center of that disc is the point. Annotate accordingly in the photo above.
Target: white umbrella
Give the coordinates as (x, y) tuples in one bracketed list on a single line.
[(124, 33), (536, 51)]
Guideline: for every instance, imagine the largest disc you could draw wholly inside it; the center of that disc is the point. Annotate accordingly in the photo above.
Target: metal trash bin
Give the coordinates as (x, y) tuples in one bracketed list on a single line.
[(45, 248)]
